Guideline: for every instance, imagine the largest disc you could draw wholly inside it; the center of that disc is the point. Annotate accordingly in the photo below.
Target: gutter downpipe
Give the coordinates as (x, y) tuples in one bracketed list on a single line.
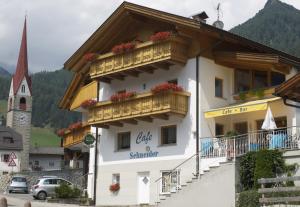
[(197, 101), (96, 152)]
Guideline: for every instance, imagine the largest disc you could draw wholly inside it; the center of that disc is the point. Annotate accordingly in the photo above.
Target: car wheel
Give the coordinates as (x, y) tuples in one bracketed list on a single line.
[(42, 195), (9, 191)]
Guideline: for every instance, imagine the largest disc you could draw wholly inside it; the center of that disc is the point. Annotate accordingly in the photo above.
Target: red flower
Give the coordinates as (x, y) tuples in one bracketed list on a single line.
[(166, 87), (88, 103), (159, 36), (123, 47), (122, 96), (75, 126), (114, 187), (90, 57), (61, 132)]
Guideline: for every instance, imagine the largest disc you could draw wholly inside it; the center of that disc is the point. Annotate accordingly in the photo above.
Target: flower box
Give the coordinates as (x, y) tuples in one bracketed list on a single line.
[(160, 36), (122, 96), (75, 126), (123, 47), (89, 57), (61, 132), (166, 87), (114, 187), (88, 103)]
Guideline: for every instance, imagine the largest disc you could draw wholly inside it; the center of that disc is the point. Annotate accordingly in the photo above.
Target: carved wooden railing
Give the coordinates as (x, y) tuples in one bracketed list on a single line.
[(173, 50), (142, 105), (75, 136)]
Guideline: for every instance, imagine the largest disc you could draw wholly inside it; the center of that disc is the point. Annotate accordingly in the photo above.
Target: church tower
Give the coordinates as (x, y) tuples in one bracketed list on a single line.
[(20, 101)]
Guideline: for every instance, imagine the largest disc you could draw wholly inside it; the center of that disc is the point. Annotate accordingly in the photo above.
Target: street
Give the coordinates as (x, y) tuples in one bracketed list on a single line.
[(18, 200)]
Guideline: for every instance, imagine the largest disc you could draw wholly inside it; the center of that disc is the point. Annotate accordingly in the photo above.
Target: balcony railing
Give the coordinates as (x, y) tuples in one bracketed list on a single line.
[(172, 51), (230, 147), (142, 106), (76, 136)]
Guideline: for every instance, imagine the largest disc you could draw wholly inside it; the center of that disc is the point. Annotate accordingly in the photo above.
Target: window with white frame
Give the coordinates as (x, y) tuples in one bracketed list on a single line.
[(170, 181), (116, 178)]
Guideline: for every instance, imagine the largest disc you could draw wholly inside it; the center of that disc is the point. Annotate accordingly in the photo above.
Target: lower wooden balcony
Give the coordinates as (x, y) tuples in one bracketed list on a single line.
[(75, 136), (143, 107)]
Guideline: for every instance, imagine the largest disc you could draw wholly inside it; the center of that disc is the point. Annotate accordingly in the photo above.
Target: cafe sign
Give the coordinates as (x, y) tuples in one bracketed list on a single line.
[(89, 139)]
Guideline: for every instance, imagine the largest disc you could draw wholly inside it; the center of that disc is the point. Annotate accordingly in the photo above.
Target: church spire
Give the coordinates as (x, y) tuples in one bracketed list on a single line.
[(22, 65)]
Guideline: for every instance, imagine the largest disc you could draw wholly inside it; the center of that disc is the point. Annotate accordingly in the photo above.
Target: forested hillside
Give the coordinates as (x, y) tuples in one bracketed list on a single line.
[(276, 25), (47, 89)]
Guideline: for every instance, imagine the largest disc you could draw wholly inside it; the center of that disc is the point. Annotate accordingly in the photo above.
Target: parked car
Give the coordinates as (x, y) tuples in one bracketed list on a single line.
[(45, 186), (18, 184)]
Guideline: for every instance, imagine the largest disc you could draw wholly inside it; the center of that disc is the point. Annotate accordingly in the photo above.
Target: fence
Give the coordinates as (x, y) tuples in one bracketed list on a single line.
[(283, 194), (233, 146)]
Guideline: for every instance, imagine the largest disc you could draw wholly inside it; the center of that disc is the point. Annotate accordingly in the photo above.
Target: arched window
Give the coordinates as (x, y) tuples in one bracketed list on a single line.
[(22, 104), (10, 104), (23, 89)]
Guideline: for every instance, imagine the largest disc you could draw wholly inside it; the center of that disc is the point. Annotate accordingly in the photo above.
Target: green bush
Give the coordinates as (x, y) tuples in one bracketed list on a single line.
[(66, 191), (247, 168), (248, 199)]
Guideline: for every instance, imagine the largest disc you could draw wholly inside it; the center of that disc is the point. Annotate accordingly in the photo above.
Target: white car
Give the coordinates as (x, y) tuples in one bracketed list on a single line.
[(18, 184)]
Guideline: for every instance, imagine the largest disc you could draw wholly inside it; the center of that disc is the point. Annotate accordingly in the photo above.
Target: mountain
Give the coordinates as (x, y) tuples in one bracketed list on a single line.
[(4, 72), (277, 25), (47, 90)]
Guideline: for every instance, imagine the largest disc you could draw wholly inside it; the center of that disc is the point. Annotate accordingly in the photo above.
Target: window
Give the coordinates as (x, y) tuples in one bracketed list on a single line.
[(8, 140), (260, 79), (175, 81), (23, 89), (219, 130), (277, 78), (115, 178), (168, 135), (50, 182), (36, 163), (51, 164), (5, 158), (170, 181), (123, 140), (22, 104), (241, 127), (4, 173), (218, 87), (242, 80)]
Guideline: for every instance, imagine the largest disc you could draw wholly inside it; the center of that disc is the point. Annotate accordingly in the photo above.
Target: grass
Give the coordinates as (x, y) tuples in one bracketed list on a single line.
[(3, 107), (44, 137)]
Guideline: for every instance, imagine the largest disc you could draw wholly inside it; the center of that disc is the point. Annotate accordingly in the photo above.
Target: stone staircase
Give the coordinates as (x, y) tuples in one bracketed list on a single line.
[(214, 187)]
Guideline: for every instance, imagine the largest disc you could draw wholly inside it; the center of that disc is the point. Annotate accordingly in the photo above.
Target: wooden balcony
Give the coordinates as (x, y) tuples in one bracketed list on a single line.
[(146, 57), (88, 91), (75, 137), (143, 107)]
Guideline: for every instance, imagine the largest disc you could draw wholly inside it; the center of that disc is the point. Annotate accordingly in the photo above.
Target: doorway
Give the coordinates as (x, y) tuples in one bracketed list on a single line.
[(143, 187)]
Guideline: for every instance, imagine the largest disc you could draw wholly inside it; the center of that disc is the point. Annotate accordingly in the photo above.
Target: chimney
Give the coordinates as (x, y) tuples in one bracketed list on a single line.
[(201, 17)]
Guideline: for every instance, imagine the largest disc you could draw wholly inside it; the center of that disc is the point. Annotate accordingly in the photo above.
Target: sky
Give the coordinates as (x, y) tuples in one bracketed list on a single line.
[(57, 28)]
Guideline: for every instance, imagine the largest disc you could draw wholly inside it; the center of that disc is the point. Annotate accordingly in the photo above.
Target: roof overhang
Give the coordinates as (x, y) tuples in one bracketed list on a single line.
[(290, 89)]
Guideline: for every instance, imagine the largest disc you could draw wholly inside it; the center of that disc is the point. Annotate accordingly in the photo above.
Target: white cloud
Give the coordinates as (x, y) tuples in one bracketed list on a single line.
[(56, 28)]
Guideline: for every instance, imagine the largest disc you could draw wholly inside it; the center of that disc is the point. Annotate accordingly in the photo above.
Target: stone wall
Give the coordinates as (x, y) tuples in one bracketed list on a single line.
[(73, 175)]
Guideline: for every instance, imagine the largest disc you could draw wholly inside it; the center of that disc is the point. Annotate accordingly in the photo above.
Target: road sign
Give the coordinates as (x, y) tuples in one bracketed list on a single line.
[(89, 139), (12, 156), (12, 163)]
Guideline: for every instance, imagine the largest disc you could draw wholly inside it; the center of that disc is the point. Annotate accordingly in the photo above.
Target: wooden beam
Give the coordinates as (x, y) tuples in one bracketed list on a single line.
[(131, 73), (101, 126), (105, 80), (161, 116), (130, 121), (117, 124), (162, 66), (116, 76), (146, 119), (148, 69)]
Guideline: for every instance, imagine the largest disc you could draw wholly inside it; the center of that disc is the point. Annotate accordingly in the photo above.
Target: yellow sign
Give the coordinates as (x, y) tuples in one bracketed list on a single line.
[(235, 110)]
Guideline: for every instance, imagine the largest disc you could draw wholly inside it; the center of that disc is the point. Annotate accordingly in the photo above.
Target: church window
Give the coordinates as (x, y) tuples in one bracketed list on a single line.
[(22, 104), (23, 89)]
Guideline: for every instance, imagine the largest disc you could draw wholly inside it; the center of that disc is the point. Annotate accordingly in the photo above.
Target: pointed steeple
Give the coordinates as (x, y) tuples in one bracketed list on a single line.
[(22, 65)]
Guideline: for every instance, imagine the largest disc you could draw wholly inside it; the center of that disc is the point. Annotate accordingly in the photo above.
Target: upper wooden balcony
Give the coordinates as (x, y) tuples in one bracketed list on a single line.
[(146, 57), (73, 137), (143, 107), (87, 92)]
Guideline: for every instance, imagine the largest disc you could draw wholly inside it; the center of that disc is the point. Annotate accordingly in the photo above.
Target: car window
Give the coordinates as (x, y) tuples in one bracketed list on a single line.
[(37, 182), (18, 179), (50, 182)]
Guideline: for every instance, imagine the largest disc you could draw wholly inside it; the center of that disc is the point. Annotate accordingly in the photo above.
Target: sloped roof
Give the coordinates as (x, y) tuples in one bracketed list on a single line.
[(17, 139), (22, 65)]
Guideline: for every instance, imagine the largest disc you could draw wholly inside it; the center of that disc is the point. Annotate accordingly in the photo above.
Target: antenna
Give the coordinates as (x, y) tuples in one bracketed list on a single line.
[(218, 10)]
